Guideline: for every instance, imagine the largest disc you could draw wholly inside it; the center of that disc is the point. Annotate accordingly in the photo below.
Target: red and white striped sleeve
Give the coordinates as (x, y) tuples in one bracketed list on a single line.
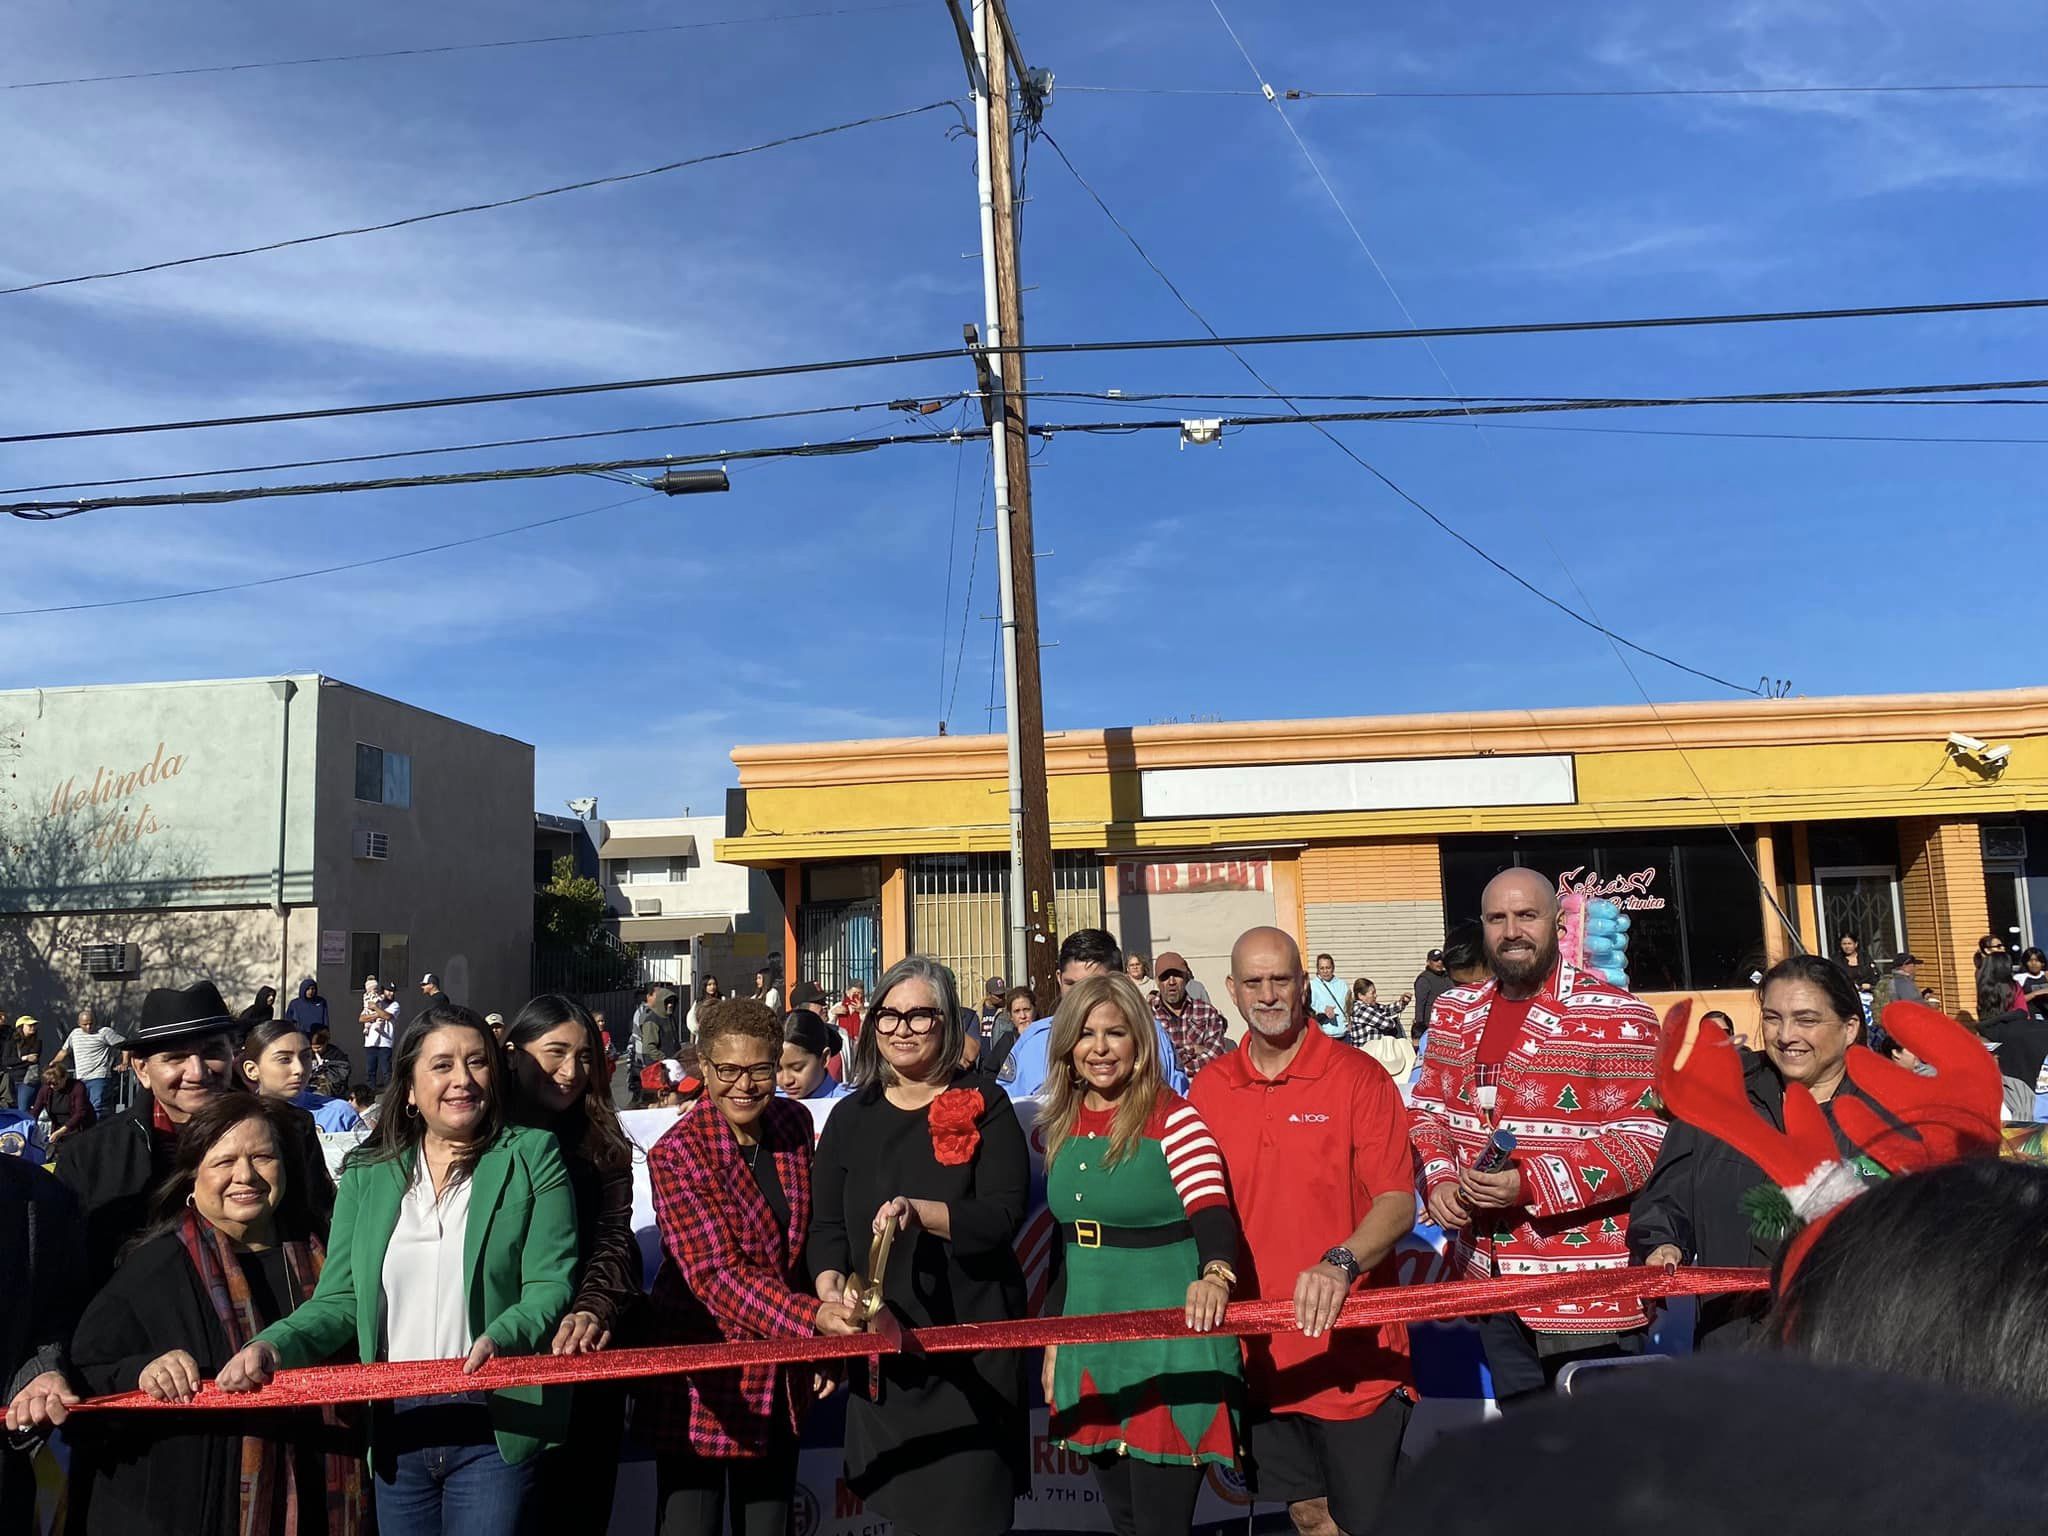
[(1193, 1159)]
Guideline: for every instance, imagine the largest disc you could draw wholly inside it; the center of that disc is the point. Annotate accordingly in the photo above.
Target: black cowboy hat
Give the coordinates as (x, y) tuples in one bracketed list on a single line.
[(170, 1014)]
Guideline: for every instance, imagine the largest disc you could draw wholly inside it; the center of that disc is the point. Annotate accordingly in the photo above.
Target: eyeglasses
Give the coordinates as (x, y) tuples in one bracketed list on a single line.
[(759, 1075), (918, 1021)]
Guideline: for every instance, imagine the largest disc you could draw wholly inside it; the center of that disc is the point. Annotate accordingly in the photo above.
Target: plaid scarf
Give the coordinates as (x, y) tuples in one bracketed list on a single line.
[(269, 1479)]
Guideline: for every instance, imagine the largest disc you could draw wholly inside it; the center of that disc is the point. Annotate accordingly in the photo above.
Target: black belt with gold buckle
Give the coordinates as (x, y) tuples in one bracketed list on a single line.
[(1093, 1234)]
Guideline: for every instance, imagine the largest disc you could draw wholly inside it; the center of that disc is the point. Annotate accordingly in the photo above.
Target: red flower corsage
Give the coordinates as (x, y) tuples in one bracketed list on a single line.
[(955, 1135)]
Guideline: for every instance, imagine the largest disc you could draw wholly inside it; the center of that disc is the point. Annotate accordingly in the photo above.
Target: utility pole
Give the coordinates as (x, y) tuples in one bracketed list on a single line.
[(1034, 936)]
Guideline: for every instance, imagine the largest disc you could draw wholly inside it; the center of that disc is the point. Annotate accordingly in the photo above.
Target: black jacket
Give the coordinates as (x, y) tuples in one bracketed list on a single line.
[(15, 1068), (1429, 986), (112, 1170), (1694, 1200), (42, 1277), (163, 1473)]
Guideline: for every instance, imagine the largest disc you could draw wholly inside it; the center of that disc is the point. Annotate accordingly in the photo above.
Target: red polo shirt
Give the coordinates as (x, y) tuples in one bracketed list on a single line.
[(1308, 1151)]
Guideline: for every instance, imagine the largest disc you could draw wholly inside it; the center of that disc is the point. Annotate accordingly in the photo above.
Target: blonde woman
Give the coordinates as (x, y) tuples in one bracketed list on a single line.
[(1146, 1221)]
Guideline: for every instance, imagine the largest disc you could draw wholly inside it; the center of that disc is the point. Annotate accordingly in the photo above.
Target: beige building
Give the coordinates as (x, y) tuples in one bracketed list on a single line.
[(688, 914), (256, 832)]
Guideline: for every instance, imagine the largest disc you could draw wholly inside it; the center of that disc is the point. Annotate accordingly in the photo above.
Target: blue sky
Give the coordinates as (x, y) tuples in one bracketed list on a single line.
[(1267, 578)]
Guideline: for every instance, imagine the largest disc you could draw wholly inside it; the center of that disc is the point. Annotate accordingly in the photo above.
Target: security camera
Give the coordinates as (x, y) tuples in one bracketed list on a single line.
[(1968, 745), (1995, 757)]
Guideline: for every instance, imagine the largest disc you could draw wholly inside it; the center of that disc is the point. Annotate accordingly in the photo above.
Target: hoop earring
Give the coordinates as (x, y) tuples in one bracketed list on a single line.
[(191, 1204), (412, 1111)]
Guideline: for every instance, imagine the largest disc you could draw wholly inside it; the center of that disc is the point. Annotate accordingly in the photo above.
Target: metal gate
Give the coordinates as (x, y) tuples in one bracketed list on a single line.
[(840, 943)]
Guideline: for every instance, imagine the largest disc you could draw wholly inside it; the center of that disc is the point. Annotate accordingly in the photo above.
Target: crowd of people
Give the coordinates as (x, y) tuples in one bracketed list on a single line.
[(194, 1236)]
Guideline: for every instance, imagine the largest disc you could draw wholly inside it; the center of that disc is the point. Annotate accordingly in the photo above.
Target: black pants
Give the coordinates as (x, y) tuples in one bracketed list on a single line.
[(1146, 1498), (1291, 1458), (568, 1495), (1525, 1363), (691, 1493)]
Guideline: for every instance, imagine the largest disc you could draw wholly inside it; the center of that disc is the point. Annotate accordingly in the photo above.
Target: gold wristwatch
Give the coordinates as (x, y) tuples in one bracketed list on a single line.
[(1218, 1269)]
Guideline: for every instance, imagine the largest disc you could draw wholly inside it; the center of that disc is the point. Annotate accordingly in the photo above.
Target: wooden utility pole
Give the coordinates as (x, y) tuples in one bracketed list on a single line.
[(1034, 929)]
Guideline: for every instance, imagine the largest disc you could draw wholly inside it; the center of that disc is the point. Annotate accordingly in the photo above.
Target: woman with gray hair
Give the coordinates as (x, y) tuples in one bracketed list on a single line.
[(934, 1157)]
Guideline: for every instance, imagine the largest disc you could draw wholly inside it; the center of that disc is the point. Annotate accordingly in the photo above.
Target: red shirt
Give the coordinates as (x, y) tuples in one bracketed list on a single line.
[(1505, 1021), (1307, 1152)]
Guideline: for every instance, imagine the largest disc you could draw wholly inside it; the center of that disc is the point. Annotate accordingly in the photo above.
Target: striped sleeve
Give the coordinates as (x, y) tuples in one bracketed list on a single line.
[(1193, 1159)]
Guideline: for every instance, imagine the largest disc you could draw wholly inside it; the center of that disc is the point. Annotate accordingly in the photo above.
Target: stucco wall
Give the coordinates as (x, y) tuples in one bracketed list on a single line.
[(459, 879)]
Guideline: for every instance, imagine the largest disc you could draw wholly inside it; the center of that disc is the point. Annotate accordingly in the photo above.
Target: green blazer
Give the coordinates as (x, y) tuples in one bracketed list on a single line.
[(519, 1251)]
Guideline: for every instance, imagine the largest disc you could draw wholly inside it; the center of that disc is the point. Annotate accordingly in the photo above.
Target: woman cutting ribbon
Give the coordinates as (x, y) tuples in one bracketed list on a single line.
[(937, 1444), (234, 1247), (1137, 1182), (732, 1197)]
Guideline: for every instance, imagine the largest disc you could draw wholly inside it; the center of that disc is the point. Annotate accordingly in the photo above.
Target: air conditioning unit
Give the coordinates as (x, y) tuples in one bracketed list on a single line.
[(103, 960), (373, 845), (2005, 842), (647, 906)]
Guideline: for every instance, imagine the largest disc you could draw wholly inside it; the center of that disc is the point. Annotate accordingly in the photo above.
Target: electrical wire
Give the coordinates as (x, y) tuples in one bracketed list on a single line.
[(325, 570), (1294, 94), (417, 453), (1034, 349), (1345, 448), (1046, 431), (412, 53), (467, 208)]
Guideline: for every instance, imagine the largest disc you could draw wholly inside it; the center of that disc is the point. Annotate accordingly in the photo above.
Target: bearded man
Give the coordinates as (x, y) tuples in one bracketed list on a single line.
[(1566, 1062)]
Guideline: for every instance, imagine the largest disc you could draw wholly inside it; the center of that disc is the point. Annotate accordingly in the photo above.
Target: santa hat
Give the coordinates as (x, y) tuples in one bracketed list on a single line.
[(1898, 1119)]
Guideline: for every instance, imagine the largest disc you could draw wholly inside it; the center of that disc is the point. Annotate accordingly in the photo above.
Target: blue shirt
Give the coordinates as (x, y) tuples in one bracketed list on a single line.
[(1023, 1075), (329, 1114), (1328, 995), (829, 1087)]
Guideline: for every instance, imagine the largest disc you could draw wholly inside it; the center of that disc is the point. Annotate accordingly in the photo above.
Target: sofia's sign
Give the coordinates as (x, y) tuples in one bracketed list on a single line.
[(1629, 892)]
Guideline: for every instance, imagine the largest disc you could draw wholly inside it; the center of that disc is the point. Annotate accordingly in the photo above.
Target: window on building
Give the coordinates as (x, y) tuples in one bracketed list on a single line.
[(1695, 914), (647, 871), (383, 778), (960, 908), (386, 956)]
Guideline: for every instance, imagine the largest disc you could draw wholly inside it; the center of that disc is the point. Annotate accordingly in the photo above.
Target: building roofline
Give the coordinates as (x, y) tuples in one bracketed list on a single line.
[(1628, 727)]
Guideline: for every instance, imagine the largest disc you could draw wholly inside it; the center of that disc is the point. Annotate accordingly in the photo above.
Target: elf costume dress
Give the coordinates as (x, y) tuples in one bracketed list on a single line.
[(1135, 1234)]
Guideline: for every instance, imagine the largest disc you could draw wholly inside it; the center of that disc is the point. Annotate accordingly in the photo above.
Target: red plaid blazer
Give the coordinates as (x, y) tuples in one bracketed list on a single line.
[(728, 1271)]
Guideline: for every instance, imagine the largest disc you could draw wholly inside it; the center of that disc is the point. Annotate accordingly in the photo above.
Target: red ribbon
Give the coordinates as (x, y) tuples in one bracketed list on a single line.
[(322, 1386)]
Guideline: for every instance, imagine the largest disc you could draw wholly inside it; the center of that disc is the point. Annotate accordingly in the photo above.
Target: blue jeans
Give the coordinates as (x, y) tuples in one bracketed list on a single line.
[(377, 1062), (96, 1091), (462, 1489), (25, 1096)]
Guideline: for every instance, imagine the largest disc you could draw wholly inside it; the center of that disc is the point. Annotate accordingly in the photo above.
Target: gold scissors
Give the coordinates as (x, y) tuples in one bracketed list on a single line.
[(864, 1292)]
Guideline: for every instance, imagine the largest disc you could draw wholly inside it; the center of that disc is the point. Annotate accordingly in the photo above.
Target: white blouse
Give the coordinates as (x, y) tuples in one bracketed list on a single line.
[(425, 1293)]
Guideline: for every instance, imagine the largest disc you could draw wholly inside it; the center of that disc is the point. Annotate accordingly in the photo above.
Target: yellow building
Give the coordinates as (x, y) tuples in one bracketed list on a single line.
[(1364, 837)]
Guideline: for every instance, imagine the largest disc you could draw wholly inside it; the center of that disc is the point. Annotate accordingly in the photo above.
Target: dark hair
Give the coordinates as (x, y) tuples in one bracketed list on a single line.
[(219, 1115), (745, 1018), (397, 1133), (1994, 986), (867, 1066), (1024, 992), (362, 1095), (1824, 973), (1464, 947), (1091, 946), (1361, 984), (2033, 953), (588, 1129), (1716, 1016), (261, 1037), (1935, 1276), (805, 1030)]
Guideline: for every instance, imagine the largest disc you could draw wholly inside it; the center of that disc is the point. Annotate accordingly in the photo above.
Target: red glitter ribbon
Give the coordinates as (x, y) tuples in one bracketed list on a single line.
[(322, 1386)]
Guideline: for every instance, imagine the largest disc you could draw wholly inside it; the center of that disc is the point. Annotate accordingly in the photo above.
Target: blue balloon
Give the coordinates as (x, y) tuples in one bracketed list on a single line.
[(1618, 977)]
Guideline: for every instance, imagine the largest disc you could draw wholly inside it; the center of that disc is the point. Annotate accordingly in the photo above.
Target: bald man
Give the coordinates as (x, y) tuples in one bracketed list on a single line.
[(1567, 1063), (1316, 1145)]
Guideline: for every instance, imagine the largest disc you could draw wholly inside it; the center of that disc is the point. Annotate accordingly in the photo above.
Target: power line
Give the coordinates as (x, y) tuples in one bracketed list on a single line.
[(1558, 94), (1035, 349), (326, 570), (1787, 437), (1458, 410), (1346, 449), (416, 453), (410, 53), (503, 202)]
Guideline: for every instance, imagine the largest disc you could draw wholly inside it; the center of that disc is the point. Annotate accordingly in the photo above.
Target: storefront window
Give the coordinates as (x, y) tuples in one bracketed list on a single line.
[(1695, 913)]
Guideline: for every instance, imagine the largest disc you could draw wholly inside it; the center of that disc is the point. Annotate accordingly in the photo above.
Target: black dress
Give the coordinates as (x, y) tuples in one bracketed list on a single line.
[(944, 1450), (163, 1471)]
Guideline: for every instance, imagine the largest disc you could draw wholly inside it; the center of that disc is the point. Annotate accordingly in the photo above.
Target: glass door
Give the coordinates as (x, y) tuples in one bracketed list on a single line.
[(2005, 894)]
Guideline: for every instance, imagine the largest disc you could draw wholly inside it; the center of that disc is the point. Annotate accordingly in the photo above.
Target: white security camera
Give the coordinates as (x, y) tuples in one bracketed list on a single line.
[(1968, 745), (1995, 757)]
